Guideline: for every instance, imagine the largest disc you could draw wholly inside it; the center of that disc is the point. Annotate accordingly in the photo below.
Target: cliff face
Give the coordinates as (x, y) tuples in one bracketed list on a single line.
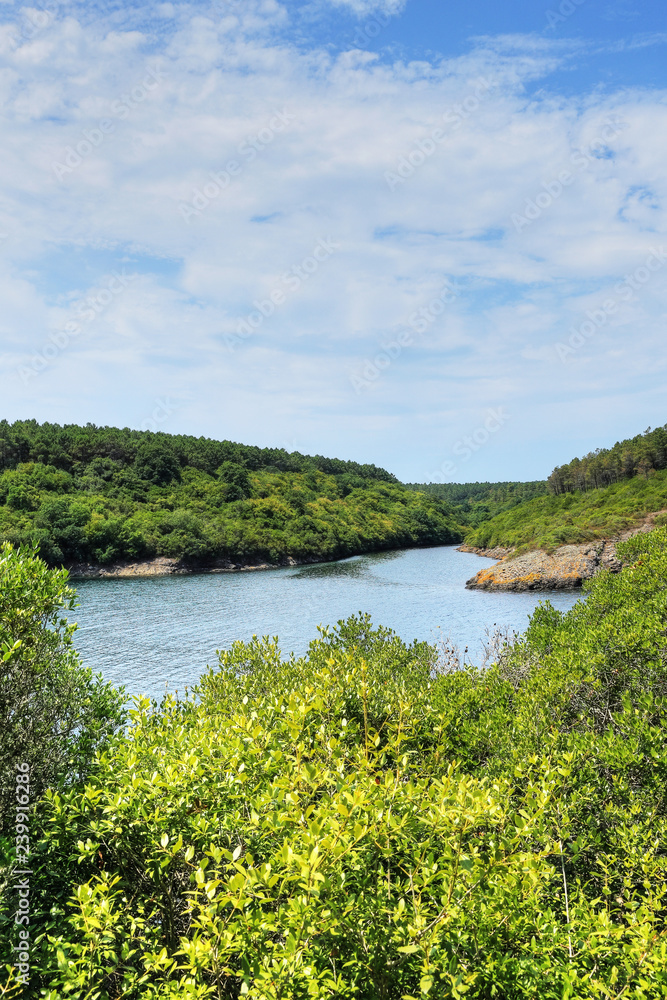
[(564, 569)]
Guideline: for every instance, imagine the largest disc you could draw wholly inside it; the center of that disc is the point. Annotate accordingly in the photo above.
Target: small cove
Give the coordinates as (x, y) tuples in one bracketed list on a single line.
[(152, 632)]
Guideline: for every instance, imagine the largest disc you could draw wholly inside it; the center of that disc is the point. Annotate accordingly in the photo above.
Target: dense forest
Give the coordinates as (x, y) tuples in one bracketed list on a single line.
[(638, 456), (104, 495), (369, 821), (474, 503), (72, 448)]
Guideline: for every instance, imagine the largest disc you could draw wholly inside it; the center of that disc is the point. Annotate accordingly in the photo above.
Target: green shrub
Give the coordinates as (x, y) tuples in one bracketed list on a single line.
[(55, 713), (366, 822)]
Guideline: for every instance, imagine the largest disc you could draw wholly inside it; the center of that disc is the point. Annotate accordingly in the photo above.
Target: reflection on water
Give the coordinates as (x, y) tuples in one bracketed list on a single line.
[(157, 631), (356, 566)]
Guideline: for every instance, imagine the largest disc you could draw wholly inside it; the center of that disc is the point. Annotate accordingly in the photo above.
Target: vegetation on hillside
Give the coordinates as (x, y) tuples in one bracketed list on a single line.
[(364, 822), (102, 495), (474, 503), (550, 521), (633, 457)]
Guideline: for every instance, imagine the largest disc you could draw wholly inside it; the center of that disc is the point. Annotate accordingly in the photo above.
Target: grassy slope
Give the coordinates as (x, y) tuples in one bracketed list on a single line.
[(549, 521)]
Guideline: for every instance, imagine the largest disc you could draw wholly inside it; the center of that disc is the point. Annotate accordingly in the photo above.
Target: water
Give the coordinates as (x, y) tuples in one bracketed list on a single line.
[(148, 632)]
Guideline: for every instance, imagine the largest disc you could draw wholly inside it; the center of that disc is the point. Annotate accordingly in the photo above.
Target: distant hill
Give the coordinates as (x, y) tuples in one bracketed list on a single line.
[(475, 503), (104, 495)]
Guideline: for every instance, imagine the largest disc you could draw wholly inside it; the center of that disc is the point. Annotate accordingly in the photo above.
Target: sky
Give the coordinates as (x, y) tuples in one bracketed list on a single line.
[(424, 234)]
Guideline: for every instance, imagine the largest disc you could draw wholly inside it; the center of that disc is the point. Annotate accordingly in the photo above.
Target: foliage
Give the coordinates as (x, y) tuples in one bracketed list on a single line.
[(635, 456), (54, 712), (474, 503), (73, 449), (365, 822), (103, 495), (549, 521)]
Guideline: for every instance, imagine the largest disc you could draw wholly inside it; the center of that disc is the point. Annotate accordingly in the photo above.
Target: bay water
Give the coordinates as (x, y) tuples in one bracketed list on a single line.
[(158, 633)]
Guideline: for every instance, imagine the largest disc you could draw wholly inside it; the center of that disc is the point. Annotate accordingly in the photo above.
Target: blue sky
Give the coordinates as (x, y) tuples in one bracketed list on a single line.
[(425, 235)]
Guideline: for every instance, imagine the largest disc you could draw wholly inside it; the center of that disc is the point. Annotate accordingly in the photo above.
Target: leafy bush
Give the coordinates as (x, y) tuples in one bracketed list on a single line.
[(157, 462), (54, 712), (366, 822)]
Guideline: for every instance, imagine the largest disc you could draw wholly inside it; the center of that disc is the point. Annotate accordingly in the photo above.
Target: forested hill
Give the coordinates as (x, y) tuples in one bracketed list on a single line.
[(570, 518), (590, 498), (475, 503), (635, 456), (103, 495)]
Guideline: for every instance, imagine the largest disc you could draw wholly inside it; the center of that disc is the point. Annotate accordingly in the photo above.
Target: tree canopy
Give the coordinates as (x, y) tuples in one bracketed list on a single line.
[(640, 455), (89, 495)]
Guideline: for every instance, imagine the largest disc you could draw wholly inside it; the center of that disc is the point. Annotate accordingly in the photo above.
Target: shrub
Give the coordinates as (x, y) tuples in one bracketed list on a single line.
[(55, 713)]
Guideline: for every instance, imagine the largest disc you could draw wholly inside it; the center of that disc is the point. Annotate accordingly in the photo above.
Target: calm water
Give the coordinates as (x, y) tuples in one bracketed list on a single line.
[(149, 632)]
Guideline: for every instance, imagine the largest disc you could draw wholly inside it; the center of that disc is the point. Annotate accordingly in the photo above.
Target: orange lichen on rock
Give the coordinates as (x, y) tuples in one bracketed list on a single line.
[(566, 568)]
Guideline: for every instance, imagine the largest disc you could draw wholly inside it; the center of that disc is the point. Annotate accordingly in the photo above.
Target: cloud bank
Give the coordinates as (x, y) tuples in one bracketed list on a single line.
[(170, 177)]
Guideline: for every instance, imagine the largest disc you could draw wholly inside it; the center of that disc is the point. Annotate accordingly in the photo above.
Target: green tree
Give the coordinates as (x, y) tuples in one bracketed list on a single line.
[(157, 462)]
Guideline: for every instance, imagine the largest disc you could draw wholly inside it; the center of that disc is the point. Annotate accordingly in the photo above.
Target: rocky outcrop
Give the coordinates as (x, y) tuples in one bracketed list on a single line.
[(564, 569), (498, 553)]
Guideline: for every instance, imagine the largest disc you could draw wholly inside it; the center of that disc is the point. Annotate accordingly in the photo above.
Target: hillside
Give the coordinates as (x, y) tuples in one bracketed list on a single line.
[(474, 503), (628, 458), (105, 496), (548, 522)]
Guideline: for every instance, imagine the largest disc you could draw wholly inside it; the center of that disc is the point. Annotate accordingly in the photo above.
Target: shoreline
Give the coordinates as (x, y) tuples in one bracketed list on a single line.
[(165, 566), (566, 568)]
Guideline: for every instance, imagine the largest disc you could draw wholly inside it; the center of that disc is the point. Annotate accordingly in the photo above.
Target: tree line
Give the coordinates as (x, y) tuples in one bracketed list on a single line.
[(638, 456), (71, 447), (475, 503)]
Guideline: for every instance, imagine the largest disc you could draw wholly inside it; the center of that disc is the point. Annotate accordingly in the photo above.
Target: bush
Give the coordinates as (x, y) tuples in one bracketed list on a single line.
[(157, 463), (55, 713), (366, 822)]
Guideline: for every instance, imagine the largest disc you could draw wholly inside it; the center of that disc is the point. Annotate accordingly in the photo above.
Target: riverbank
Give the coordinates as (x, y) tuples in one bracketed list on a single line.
[(162, 566), (566, 568)]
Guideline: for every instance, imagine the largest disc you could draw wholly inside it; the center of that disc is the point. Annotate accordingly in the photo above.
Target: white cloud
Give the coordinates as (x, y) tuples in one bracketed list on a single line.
[(364, 8), (301, 142)]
